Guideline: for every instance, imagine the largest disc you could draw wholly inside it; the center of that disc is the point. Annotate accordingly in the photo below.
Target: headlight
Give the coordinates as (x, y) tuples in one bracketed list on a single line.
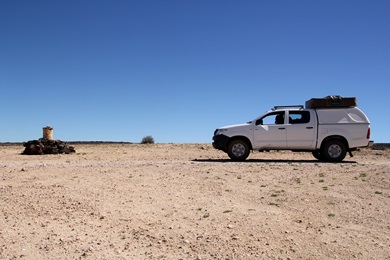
[(220, 131)]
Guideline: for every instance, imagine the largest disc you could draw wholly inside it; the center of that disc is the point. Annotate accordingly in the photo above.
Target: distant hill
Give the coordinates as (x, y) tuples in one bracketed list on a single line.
[(69, 142), (381, 146)]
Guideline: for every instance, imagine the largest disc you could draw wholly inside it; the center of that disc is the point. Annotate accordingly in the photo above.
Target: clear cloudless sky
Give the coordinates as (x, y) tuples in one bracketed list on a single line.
[(100, 70)]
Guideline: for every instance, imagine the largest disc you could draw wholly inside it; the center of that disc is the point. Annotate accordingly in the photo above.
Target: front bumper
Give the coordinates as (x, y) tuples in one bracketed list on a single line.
[(220, 142)]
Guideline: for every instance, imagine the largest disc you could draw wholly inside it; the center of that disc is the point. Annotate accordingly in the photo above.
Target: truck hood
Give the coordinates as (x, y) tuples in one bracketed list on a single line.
[(233, 126)]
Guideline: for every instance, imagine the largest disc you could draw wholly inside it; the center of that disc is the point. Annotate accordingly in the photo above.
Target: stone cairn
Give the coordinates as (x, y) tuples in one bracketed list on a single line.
[(46, 145)]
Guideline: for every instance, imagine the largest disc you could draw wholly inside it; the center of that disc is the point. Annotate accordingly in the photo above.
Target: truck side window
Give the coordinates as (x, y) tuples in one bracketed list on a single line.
[(299, 117), (275, 118)]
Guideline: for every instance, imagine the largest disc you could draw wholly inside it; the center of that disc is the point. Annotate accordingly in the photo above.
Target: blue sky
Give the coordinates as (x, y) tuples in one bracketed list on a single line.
[(120, 70)]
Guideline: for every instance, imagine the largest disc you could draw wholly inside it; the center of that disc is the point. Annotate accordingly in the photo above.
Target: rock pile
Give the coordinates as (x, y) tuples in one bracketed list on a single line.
[(45, 146)]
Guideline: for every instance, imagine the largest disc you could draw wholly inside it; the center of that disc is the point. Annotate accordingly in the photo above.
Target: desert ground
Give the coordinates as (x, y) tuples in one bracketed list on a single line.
[(189, 201)]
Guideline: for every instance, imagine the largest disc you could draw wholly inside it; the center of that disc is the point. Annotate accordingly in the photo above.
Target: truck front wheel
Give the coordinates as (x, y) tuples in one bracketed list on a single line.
[(238, 150), (334, 151), (317, 154)]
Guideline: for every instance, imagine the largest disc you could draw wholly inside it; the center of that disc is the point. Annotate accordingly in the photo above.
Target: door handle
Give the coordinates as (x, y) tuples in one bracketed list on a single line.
[(309, 127), (281, 128)]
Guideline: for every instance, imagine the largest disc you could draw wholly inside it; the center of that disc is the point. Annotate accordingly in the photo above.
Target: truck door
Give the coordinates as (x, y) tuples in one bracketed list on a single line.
[(270, 131), (301, 129)]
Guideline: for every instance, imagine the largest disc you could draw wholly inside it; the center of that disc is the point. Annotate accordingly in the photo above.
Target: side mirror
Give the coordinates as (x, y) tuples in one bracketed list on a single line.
[(259, 121)]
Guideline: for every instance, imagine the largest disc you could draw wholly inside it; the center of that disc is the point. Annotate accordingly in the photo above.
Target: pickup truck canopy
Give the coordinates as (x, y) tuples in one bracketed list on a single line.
[(341, 115)]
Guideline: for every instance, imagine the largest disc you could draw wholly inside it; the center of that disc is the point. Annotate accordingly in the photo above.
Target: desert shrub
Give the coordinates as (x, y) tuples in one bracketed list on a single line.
[(147, 140)]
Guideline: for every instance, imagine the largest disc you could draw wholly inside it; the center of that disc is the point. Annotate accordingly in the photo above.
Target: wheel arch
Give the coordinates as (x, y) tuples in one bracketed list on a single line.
[(240, 137), (335, 137)]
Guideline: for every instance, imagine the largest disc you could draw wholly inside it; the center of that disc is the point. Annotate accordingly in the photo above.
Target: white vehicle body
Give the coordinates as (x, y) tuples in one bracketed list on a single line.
[(299, 129)]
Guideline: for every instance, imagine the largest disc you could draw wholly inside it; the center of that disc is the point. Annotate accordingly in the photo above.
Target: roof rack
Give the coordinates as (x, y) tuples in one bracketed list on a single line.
[(284, 107)]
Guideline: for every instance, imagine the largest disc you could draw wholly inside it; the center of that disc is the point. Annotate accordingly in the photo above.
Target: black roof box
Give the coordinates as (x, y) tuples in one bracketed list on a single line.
[(331, 102)]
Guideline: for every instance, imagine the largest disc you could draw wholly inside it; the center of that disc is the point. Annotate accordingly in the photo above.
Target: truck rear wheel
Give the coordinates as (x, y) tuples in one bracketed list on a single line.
[(238, 150), (334, 151)]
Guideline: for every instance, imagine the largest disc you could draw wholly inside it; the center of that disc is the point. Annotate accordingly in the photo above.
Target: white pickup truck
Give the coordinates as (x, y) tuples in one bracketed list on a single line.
[(328, 133)]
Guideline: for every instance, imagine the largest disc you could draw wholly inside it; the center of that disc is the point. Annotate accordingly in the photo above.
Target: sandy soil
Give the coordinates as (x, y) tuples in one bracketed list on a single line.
[(188, 201)]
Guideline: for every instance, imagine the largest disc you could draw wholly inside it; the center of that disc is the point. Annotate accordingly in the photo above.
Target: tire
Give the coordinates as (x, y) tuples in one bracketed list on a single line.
[(334, 151), (238, 150), (317, 154)]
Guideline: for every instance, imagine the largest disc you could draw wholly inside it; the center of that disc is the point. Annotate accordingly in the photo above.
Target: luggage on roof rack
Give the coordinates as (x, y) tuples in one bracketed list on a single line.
[(331, 101)]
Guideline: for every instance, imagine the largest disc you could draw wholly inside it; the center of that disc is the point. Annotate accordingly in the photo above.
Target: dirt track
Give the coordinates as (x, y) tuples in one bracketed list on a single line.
[(188, 201)]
